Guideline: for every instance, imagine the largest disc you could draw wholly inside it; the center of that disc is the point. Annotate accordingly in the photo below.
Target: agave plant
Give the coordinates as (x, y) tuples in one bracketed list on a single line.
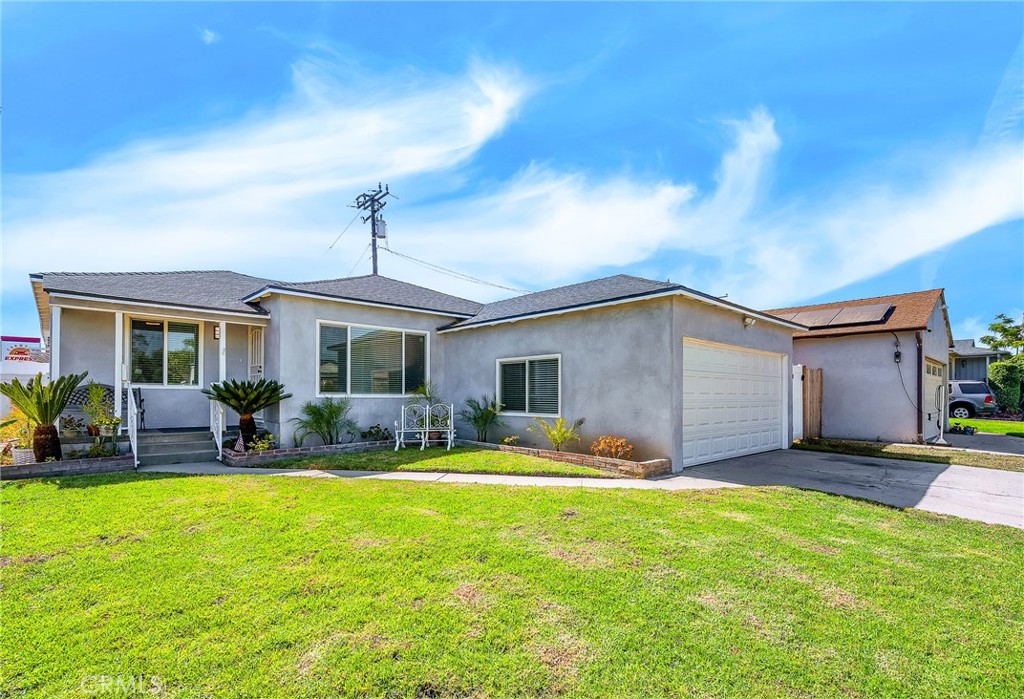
[(327, 419), (482, 414), (42, 405), (246, 398), (559, 433)]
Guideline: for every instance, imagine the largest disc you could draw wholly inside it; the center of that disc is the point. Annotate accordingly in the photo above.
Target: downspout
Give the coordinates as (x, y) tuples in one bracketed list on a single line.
[(920, 388)]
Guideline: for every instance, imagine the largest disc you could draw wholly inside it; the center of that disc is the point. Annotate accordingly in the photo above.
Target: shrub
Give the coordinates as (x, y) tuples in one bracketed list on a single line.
[(328, 419), (1005, 378), (376, 433), (246, 398), (612, 447), (558, 433), (42, 405), (482, 414), (262, 443), (511, 441)]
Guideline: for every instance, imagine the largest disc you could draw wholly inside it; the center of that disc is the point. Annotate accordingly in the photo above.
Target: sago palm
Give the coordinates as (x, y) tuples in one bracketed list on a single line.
[(42, 405), (246, 398)]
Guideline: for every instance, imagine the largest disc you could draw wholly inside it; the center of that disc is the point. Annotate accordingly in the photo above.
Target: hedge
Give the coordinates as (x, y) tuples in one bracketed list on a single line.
[(1005, 378)]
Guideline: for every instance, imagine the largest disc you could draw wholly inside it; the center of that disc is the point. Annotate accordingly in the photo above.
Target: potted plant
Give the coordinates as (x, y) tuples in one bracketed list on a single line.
[(98, 406), (70, 426), (22, 452), (42, 405)]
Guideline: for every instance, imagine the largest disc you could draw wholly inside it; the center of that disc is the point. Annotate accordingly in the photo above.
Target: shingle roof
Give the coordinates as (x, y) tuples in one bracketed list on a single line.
[(381, 290), (967, 348), (615, 288), (218, 290), (910, 311)]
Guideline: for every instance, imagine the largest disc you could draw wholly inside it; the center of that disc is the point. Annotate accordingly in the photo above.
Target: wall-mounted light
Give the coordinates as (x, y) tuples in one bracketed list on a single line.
[(748, 321), (216, 332)]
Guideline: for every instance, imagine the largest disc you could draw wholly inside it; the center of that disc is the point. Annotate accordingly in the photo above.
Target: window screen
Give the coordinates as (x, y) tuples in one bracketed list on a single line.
[(543, 393), (333, 359), (182, 354), (513, 387), (147, 361)]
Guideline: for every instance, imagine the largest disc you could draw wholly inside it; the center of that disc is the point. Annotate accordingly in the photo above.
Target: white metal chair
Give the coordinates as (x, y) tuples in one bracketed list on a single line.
[(441, 418), (413, 421)]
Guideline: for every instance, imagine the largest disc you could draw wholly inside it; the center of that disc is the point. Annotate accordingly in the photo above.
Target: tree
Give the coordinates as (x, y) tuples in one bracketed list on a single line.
[(246, 398), (1007, 334), (42, 405)]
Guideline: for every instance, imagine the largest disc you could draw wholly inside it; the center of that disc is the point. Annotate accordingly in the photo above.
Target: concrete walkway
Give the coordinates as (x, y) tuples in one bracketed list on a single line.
[(988, 442), (985, 495)]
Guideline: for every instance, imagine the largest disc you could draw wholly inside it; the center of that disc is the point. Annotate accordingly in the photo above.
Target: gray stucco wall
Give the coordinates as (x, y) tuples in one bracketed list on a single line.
[(291, 345), (616, 371), (87, 344)]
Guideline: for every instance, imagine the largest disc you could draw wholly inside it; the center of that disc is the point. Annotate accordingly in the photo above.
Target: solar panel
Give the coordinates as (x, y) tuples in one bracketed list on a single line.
[(857, 315), (816, 319), (785, 316)]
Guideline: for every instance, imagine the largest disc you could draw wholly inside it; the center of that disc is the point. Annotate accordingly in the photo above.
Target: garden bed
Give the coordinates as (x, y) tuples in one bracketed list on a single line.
[(619, 467), (68, 467), (231, 457)]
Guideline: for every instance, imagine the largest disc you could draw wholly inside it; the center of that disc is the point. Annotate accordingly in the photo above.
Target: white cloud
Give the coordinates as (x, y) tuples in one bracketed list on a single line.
[(207, 35)]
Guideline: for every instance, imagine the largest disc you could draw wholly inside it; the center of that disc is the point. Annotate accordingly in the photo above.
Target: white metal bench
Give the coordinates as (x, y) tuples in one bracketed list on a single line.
[(419, 421), (413, 421)]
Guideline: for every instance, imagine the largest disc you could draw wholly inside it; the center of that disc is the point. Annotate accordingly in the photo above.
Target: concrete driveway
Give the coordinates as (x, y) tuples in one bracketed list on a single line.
[(986, 441), (981, 494)]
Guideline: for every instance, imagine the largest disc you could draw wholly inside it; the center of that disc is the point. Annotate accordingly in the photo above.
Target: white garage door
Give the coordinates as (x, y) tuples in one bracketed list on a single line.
[(732, 401)]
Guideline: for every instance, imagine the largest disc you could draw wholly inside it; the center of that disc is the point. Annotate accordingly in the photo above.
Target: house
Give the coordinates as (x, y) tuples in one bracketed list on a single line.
[(883, 361), (967, 362), (677, 372)]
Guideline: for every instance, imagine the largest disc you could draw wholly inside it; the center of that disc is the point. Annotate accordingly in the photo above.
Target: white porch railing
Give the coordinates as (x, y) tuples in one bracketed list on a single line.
[(217, 426), (133, 425)]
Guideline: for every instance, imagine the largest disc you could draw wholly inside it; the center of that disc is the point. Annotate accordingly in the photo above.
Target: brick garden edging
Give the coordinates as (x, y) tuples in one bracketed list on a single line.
[(620, 467), (231, 457), (68, 467)]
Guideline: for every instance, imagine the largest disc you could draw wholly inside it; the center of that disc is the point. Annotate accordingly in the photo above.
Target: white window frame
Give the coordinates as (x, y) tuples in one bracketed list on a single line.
[(519, 360), (164, 320), (348, 358)]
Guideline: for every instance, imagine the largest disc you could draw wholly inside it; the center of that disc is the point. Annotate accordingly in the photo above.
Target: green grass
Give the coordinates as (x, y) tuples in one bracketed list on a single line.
[(1014, 428), (458, 460), (915, 452), (246, 586)]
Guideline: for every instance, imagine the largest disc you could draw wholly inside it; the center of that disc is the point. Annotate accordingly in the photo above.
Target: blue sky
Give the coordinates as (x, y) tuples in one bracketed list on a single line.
[(777, 153)]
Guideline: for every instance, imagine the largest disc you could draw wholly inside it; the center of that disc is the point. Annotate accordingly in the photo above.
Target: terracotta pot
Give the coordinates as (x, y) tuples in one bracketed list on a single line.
[(93, 430)]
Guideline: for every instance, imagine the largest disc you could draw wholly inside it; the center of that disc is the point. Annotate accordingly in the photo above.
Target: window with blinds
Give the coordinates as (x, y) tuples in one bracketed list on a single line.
[(370, 361), (529, 386), (164, 353)]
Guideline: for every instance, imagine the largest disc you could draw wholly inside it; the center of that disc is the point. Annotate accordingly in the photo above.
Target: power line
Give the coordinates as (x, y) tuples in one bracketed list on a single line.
[(331, 246), (358, 261), (373, 202), (453, 273)]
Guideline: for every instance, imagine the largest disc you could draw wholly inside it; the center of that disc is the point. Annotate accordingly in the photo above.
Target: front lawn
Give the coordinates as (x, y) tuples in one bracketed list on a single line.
[(915, 452), (243, 586), (1014, 428), (458, 460)]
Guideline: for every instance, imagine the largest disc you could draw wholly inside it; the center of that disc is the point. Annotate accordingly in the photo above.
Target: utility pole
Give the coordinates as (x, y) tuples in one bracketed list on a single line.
[(373, 201)]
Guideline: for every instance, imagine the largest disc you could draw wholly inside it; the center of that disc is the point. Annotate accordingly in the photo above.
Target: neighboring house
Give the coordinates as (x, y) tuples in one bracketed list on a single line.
[(968, 362), (883, 359), (675, 371)]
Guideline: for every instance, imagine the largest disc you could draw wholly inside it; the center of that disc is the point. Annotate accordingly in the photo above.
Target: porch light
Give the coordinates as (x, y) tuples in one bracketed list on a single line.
[(216, 332)]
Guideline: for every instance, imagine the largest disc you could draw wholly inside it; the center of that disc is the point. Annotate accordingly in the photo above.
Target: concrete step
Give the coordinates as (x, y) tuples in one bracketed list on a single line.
[(174, 447), (179, 457), (175, 437)]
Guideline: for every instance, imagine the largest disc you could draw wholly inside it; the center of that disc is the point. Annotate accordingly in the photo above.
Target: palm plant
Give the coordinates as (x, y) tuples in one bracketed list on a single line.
[(482, 414), (327, 419), (429, 393), (246, 398), (42, 405), (559, 433)]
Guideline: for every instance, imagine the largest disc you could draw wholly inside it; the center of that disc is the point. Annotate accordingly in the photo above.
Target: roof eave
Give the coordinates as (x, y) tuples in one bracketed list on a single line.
[(268, 290), (660, 293)]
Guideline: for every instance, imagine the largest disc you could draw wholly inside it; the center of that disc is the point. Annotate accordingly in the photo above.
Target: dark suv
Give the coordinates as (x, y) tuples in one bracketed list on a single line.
[(970, 398)]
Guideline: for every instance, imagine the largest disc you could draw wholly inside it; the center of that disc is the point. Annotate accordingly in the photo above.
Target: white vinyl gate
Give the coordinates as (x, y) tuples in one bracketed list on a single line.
[(733, 401)]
